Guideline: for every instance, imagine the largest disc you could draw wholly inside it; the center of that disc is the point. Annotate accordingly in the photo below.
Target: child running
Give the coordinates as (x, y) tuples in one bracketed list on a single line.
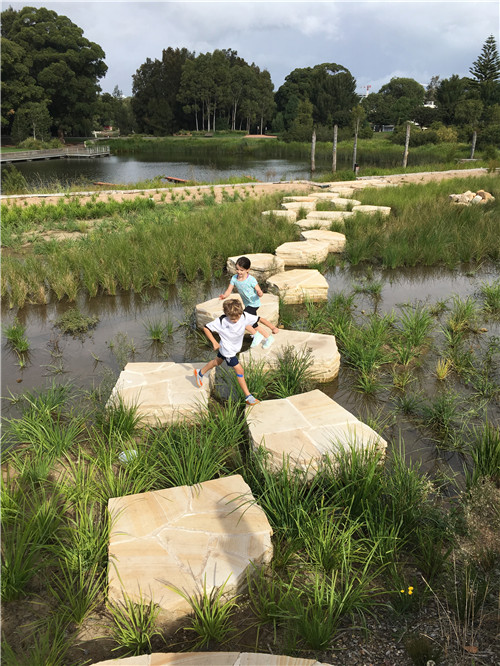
[(250, 292), (231, 328)]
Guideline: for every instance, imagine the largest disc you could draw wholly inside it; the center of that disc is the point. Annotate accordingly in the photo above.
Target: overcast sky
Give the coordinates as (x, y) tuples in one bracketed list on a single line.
[(374, 40)]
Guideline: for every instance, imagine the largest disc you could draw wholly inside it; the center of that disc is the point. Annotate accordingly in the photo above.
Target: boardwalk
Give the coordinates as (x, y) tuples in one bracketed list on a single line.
[(55, 153)]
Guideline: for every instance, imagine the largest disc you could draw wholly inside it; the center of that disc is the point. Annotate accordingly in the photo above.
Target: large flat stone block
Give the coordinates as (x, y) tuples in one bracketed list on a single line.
[(330, 215), (324, 354), (263, 265), (304, 428), (343, 203), (163, 392), (184, 537), (210, 659), (297, 205), (290, 215), (371, 210), (299, 285), (209, 310), (289, 199), (302, 253), (316, 223), (336, 241)]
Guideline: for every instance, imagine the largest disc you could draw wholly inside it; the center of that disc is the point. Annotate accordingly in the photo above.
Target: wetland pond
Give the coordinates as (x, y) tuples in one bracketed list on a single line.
[(120, 336)]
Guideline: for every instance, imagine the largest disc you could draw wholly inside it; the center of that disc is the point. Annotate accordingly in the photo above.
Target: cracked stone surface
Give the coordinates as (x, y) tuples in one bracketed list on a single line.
[(304, 428), (209, 310), (263, 265), (163, 392), (336, 241), (371, 210), (210, 659), (302, 253), (337, 215), (185, 537), (325, 356), (290, 215), (299, 285)]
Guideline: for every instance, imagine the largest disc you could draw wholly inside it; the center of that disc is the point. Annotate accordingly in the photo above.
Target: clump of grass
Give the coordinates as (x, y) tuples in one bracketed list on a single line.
[(212, 615), (134, 625), (443, 367), (74, 322), (491, 296), (16, 336), (158, 331)]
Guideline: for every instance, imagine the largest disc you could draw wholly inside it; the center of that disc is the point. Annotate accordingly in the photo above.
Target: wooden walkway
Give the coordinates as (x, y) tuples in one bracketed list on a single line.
[(55, 153)]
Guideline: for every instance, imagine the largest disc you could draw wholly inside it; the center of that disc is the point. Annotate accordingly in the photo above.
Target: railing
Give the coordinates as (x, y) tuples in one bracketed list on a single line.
[(66, 151)]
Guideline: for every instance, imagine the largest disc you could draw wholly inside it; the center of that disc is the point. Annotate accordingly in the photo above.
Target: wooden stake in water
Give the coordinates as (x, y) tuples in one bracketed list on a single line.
[(313, 151), (407, 143)]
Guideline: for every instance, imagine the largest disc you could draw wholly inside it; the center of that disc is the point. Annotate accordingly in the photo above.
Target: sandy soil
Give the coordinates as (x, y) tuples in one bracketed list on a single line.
[(254, 189)]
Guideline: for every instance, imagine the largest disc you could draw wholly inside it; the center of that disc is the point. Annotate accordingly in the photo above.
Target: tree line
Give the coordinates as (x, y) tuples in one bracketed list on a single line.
[(51, 73)]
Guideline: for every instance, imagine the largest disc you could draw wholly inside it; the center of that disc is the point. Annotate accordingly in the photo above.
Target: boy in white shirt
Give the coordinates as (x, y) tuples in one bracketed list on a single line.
[(248, 288), (231, 328)]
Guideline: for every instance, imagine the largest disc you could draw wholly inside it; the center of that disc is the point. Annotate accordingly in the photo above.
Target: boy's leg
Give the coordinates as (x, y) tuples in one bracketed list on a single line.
[(243, 385), (199, 374)]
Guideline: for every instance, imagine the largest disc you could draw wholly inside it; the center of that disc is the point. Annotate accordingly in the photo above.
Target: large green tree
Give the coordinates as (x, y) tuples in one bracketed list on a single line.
[(486, 73), (155, 88), (395, 102), (329, 87), (56, 65)]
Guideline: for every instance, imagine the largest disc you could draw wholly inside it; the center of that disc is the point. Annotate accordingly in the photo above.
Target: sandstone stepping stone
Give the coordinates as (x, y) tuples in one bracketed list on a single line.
[(185, 536), (210, 659), (163, 392), (331, 215), (209, 310), (342, 192), (371, 210), (312, 197), (335, 240), (297, 205), (299, 285), (263, 265), (316, 222), (342, 203), (325, 196), (289, 214), (304, 428), (302, 253), (325, 356)]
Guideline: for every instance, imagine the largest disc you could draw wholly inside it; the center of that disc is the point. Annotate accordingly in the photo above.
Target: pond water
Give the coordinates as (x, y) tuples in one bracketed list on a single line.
[(96, 357), (125, 169)]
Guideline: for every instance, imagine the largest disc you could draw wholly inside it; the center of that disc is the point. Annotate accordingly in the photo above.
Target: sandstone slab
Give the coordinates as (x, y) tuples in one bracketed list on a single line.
[(209, 310), (210, 659), (302, 253), (263, 265), (299, 285), (185, 537), (331, 215), (342, 203), (324, 355), (290, 215), (297, 205), (305, 428), (372, 210), (336, 241), (163, 392), (289, 199)]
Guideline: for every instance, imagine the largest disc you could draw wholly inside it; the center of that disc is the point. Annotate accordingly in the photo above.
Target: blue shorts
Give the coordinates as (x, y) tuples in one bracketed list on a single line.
[(230, 360)]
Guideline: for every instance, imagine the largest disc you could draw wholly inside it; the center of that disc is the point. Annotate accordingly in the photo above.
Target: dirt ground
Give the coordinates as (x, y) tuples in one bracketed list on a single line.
[(195, 192)]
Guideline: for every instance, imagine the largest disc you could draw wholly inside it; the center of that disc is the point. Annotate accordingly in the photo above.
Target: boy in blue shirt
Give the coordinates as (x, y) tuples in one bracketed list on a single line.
[(248, 288), (231, 328)]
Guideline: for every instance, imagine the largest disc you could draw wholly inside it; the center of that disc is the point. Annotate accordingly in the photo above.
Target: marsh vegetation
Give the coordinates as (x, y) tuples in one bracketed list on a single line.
[(403, 550)]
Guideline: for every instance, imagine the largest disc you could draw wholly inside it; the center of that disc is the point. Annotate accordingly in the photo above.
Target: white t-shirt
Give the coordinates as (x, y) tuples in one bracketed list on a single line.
[(231, 333)]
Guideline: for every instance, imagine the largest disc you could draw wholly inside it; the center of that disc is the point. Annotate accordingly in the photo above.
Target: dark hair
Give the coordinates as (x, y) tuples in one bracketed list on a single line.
[(244, 262)]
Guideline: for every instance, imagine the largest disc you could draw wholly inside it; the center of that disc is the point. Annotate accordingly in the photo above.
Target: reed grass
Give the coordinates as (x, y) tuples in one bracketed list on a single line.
[(133, 625), (16, 336)]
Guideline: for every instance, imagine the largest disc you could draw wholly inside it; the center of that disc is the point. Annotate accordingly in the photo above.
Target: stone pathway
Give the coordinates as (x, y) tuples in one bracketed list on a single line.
[(187, 537), (163, 392), (210, 659), (325, 356), (299, 285), (304, 428), (336, 241), (209, 310)]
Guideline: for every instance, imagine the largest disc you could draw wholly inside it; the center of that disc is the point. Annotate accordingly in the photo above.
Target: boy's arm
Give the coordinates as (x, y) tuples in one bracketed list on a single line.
[(210, 336), (227, 292)]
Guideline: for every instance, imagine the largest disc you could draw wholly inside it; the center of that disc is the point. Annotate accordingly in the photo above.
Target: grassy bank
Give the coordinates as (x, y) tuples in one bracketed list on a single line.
[(136, 245)]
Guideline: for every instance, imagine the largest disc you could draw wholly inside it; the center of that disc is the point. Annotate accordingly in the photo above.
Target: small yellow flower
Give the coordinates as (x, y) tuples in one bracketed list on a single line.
[(410, 590), (402, 591)]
